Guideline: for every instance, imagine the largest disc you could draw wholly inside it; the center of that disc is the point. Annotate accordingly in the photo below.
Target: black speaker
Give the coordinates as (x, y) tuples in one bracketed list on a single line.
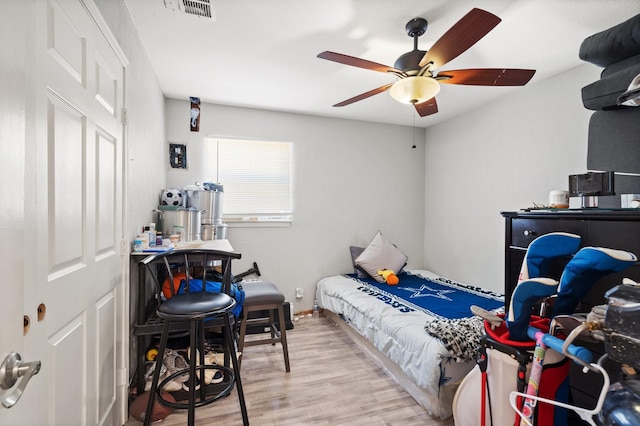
[(264, 328)]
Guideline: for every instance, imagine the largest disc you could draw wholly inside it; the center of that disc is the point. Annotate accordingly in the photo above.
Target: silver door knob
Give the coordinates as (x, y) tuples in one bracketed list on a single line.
[(11, 370)]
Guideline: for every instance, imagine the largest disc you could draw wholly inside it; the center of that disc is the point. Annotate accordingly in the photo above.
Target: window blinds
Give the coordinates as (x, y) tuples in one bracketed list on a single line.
[(256, 176)]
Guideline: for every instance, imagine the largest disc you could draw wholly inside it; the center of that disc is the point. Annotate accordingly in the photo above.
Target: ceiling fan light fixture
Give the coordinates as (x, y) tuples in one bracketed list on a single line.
[(414, 90)]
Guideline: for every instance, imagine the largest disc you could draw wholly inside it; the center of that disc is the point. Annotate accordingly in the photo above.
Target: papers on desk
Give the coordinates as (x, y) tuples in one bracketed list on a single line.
[(222, 245)]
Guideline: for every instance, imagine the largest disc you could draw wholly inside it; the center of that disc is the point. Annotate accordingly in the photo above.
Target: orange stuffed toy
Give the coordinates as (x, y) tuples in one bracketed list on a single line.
[(389, 277)]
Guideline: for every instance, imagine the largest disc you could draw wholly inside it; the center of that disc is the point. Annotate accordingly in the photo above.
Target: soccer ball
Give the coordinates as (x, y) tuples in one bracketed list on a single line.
[(171, 197)]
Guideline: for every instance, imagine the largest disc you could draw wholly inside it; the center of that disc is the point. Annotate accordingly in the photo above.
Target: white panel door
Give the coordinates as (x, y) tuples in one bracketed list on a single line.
[(72, 218)]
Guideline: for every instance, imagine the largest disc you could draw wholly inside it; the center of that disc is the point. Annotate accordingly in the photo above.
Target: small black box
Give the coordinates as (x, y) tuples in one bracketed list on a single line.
[(264, 328), (591, 183)]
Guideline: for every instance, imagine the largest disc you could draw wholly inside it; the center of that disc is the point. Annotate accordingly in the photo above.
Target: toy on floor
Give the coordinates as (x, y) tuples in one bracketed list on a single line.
[(389, 277)]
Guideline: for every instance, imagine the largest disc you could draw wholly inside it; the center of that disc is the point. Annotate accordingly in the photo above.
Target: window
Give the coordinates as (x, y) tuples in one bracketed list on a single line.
[(256, 176)]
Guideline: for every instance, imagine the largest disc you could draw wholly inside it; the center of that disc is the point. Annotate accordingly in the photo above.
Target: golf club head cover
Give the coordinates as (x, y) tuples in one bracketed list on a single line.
[(524, 296), (543, 250), (583, 270)]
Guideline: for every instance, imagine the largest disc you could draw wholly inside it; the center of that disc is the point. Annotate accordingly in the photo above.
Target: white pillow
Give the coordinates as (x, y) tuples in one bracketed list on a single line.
[(381, 254)]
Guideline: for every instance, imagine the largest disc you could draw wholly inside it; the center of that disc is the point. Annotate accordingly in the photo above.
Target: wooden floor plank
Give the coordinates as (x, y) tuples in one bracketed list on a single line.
[(332, 382)]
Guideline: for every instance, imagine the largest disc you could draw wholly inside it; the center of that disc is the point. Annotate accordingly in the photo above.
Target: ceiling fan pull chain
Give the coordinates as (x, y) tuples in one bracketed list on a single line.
[(414, 130)]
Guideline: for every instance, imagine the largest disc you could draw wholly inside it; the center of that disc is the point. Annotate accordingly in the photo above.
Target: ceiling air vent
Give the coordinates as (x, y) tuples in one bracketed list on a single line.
[(197, 7), (201, 8)]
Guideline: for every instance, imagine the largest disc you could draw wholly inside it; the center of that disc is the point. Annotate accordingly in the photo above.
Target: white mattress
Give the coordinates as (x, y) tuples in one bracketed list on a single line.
[(398, 335)]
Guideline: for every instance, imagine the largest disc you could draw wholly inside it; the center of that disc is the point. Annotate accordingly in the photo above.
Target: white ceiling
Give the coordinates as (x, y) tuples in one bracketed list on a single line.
[(262, 53)]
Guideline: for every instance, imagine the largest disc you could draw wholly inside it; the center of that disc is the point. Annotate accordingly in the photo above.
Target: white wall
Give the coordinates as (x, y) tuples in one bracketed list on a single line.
[(351, 178), (145, 131), (502, 157)]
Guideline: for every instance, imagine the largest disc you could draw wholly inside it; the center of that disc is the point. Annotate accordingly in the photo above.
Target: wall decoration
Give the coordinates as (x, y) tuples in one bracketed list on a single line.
[(195, 114), (178, 155)]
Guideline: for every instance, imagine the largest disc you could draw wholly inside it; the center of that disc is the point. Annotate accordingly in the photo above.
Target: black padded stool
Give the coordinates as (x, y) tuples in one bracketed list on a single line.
[(264, 296), (196, 309)]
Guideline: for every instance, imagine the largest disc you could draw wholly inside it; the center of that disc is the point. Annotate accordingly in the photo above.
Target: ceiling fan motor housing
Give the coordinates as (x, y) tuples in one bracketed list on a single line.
[(409, 61)]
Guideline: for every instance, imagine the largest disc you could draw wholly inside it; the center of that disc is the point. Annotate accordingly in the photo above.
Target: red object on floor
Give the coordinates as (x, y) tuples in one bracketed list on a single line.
[(139, 406)]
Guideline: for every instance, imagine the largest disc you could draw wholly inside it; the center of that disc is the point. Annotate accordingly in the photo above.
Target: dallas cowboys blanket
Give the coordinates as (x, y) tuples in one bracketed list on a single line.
[(438, 296)]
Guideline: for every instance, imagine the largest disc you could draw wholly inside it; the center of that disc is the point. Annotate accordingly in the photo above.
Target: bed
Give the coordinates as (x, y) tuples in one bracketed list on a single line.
[(420, 331)]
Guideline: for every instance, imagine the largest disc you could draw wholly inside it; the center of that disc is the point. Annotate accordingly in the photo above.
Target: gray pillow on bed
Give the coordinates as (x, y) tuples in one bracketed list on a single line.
[(380, 254), (355, 252)]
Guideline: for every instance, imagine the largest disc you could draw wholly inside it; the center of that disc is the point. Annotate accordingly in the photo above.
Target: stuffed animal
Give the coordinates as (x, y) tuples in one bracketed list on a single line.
[(389, 277)]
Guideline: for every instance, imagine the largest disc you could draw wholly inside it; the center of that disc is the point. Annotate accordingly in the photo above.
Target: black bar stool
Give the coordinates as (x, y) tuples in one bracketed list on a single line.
[(193, 311)]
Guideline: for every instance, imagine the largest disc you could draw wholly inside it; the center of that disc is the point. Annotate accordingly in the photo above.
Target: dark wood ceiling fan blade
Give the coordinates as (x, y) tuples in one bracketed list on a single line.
[(427, 107), (357, 62), (487, 77), (364, 95), (460, 37)]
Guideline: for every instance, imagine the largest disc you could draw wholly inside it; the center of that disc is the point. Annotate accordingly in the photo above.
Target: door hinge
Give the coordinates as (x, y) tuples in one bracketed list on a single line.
[(124, 243), (124, 116), (122, 379)]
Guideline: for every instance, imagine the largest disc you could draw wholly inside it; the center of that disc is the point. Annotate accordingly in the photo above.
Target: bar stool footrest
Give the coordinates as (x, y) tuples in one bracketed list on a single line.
[(209, 398)]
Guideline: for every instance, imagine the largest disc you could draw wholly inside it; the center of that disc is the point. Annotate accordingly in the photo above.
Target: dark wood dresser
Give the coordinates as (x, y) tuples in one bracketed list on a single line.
[(615, 229)]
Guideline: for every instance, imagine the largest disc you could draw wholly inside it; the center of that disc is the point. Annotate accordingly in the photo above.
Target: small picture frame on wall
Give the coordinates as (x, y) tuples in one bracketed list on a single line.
[(178, 155), (194, 123)]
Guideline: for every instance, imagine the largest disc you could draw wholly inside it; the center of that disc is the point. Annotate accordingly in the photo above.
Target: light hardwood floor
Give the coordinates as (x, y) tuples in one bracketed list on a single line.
[(332, 382)]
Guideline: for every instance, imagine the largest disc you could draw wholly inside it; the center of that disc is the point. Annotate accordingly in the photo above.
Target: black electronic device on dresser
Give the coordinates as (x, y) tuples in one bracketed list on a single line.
[(616, 229)]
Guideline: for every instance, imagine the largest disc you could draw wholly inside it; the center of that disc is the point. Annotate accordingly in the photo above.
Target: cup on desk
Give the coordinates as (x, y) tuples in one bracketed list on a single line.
[(559, 199)]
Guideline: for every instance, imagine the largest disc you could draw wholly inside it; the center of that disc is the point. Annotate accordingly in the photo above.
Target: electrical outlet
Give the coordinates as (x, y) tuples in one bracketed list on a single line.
[(299, 292)]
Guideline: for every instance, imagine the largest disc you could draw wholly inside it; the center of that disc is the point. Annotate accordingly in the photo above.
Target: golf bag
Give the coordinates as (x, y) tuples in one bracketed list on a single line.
[(505, 361), (504, 366)]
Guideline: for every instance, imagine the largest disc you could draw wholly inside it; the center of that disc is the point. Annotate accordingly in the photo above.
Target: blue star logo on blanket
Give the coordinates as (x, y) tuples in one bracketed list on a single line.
[(426, 291)]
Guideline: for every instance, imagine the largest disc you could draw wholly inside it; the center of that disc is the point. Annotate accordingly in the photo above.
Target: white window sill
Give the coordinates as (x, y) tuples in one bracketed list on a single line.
[(258, 221)]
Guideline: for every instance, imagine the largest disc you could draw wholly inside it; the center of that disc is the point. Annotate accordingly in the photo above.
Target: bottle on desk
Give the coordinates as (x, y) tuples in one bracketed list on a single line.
[(141, 242), (138, 244), (151, 231)]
